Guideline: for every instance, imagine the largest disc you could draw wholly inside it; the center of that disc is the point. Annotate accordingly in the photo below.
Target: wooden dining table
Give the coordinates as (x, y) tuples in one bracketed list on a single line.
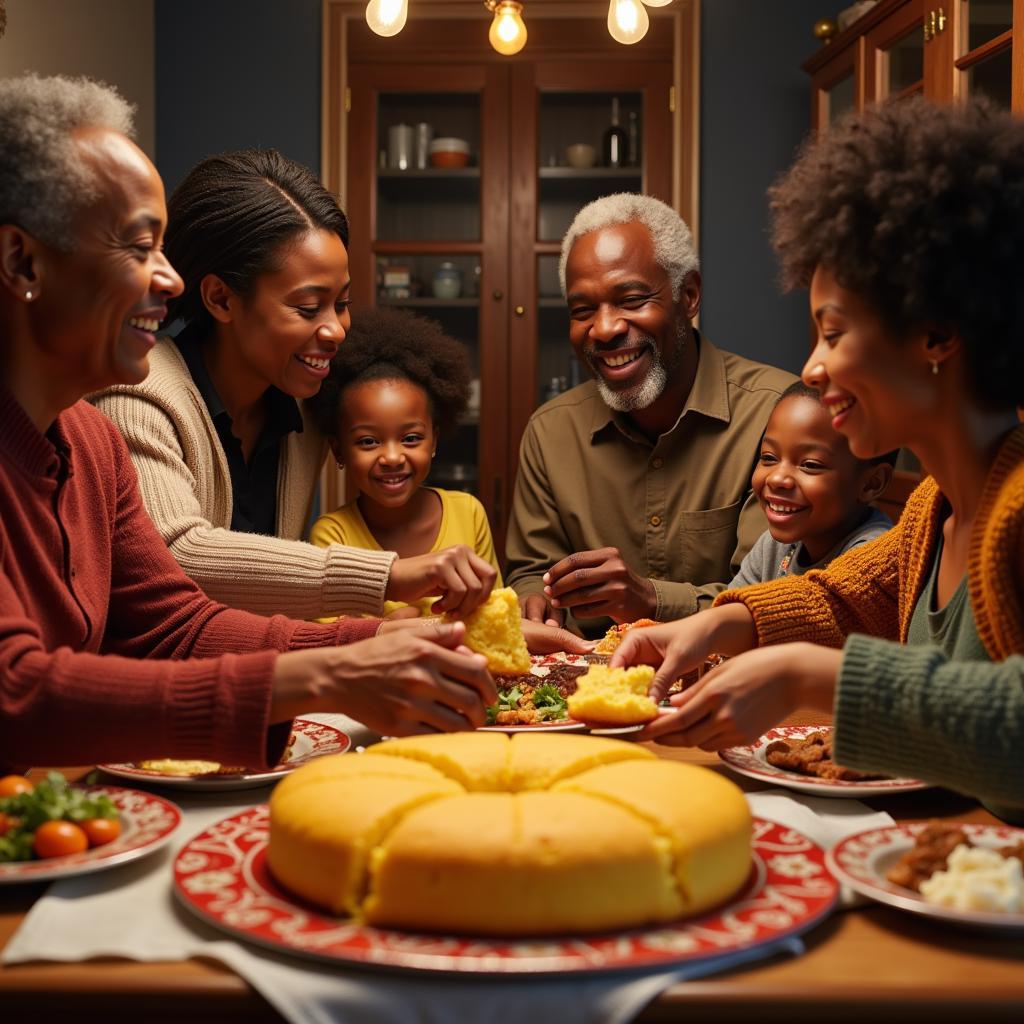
[(868, 963)]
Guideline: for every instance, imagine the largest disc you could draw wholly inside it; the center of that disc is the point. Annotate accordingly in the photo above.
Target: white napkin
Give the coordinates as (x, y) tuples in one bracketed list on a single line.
[(131, 912), (826, 820)]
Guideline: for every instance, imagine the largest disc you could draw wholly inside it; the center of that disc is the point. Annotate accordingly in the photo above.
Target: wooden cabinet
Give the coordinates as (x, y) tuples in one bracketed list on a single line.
[(477, 247), (945, 50)]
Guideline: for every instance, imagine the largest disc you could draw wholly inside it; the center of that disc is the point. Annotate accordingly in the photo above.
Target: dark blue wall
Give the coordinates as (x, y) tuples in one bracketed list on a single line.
[(233, 73), (236, 73), (755, 110)]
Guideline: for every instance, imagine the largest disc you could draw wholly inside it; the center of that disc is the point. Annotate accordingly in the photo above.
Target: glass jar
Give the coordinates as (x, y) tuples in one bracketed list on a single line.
[(447, 282)]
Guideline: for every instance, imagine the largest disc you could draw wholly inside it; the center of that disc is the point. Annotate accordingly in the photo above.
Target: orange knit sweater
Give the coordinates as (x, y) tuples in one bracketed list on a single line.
[(873, 589)]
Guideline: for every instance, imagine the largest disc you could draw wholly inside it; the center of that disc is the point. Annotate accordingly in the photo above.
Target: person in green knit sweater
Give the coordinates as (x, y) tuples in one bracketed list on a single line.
[(908, 224)]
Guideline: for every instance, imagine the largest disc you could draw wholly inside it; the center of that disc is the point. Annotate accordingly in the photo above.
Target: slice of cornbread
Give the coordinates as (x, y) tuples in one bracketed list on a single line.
[(702, 815), (497, 863), (614, 696), (494, 630), (324, 831), (538, 761), (476, 760)]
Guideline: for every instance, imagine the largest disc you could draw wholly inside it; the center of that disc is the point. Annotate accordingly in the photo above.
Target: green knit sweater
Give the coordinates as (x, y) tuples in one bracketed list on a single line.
[(908, 710)]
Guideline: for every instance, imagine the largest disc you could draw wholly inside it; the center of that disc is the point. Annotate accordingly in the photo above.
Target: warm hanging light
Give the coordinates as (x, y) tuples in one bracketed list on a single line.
[(657, 3), (387, 17), (508, 32), (627, 21)]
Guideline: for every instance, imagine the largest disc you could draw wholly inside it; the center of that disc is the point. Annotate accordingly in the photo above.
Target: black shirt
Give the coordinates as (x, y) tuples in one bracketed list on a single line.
[(253, 485)]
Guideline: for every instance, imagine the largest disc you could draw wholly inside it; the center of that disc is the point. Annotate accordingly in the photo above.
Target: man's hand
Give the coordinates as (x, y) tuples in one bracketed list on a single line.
[(537, 608), (460, 576), (745, 696), (542, 638), (598, 583), (404, 683)]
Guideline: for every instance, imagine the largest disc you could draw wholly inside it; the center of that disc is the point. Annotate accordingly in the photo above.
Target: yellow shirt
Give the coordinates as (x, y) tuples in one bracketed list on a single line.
[(463, 521)]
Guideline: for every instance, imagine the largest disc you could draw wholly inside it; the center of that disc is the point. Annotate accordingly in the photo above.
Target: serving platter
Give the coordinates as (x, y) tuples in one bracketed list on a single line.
[(861, 861), (752, 762), (222, 876), (147, 823), (309, 741)]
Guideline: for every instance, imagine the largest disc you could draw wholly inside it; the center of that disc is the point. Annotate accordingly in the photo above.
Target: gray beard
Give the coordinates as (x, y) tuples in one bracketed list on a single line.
[(650, 389)]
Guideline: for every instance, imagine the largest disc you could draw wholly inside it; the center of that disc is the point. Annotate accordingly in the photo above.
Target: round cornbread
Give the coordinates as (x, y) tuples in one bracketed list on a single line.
[(486, 834)]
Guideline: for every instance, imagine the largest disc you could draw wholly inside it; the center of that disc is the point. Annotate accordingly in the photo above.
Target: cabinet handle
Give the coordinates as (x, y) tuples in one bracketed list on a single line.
[(497, 295), (520, 310)]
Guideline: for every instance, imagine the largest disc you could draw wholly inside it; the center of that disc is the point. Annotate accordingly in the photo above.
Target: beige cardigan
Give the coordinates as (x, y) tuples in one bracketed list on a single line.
[(185, 482)]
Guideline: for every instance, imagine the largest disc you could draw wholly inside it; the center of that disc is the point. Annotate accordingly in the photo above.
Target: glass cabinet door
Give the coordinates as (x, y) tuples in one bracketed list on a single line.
[(894, 54), (985, 53)]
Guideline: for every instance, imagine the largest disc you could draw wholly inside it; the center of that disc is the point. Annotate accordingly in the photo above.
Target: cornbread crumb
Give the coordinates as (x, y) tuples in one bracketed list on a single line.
[(494, 630), (614, 696)]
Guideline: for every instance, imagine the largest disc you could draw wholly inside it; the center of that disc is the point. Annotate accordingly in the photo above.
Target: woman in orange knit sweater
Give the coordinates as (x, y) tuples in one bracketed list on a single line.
[(908, 224)]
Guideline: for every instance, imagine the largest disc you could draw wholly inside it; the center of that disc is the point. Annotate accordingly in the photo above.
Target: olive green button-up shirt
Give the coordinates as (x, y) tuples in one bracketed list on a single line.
[(679, 510)]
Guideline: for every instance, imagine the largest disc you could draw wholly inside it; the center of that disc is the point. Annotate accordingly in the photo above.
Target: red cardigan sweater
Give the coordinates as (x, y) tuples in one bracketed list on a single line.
[(96, 616)]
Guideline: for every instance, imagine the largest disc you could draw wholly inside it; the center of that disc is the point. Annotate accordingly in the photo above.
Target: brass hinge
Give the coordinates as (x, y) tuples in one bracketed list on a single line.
[(671, 99), (934, 23), (348, 100)]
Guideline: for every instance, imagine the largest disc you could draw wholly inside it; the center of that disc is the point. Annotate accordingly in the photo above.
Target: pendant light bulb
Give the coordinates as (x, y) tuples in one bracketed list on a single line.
[(387, 17), (508, 31), (627, 21), (657, 3)]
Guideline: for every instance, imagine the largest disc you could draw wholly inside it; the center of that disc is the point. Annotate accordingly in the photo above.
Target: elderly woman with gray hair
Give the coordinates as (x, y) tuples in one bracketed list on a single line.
[(98, 623)]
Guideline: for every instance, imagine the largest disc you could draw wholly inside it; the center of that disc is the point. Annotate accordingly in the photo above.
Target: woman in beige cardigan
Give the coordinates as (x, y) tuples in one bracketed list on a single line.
[(227, 461)]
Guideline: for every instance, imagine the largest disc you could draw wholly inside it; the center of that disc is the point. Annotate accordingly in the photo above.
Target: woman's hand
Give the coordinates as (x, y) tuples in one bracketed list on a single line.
[(745, 696), (406, 682), (682, 646), (544, 639), (461, 578)]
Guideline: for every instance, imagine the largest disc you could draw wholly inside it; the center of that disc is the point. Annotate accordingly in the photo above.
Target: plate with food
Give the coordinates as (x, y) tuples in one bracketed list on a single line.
[(222, 876), (963, 874), (308, 741), (52, 829), (800, 758), (537, 701)]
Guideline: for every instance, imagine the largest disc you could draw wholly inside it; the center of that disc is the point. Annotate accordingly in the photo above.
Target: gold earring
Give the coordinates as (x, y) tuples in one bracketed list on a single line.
[(935, 367)]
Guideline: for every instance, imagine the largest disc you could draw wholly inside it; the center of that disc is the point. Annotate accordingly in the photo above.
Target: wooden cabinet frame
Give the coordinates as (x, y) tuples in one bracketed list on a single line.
[(461, 58)]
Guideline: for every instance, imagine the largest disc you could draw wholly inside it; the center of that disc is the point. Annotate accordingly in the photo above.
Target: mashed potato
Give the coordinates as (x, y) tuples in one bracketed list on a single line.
[(977, 879)]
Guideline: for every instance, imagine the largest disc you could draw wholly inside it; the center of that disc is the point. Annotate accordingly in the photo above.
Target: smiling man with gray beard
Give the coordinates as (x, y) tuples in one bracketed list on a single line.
[(633, 495)]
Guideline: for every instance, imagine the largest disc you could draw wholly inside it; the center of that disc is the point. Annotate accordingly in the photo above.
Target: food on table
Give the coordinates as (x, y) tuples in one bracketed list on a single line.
[(172, 766), (611, 640), (536, 698), (812, 755), (12, 785), (54, 819), (480, 833), (494, 630), (976, 878), (974, 883), (614, 696)]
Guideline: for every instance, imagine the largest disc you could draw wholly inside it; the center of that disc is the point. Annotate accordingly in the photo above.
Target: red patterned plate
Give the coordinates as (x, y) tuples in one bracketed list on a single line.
[(222, 876), (751, 761), (147, 822), (862, 861), (310, 740)]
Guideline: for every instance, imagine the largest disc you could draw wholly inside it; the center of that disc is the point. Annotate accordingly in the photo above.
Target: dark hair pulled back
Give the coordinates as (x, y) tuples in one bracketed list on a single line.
[(231, 216)]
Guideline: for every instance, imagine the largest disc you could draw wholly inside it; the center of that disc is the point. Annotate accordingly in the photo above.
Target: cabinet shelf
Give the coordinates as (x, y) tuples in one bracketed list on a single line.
[(571, 183), (429, 302)]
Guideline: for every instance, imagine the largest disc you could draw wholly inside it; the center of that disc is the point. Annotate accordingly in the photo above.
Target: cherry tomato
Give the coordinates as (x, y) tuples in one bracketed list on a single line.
[(101, 830), (13, 785), (7, 823), (59, 838)]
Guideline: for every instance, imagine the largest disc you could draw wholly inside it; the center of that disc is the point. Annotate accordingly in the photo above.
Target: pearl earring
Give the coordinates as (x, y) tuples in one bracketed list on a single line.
[(28, 295), (341, 465), (935, 367)]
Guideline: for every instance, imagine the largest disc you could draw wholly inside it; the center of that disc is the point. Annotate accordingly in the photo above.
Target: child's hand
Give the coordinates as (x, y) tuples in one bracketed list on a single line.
[(458, 574), (544, 639)]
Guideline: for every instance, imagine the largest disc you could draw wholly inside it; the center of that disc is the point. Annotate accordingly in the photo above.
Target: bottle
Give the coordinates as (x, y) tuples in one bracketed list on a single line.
[(633, 151), (614, 143)]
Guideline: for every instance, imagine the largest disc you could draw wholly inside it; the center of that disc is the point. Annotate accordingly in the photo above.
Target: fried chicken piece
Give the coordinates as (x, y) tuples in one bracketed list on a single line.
[(812, 756), (929, 854)]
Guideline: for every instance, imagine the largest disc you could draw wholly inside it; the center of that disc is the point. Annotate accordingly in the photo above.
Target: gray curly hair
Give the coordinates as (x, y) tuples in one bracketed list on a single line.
[(673, 243), (42, 182)]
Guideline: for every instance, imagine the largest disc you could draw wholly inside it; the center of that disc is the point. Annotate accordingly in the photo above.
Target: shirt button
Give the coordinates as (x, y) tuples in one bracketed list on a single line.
[(655, 520), (657, 463)]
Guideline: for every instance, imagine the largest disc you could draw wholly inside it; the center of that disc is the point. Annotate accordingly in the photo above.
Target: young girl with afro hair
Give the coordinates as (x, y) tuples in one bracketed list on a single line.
[(395, 385)]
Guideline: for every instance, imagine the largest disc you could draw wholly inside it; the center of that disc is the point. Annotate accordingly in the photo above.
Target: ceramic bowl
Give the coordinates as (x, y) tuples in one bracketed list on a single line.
[(580, 155), (449, 152)]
